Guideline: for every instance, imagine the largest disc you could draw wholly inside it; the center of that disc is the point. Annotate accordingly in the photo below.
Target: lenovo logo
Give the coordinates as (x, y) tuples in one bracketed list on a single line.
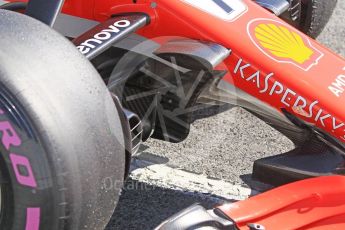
[(103, 36)]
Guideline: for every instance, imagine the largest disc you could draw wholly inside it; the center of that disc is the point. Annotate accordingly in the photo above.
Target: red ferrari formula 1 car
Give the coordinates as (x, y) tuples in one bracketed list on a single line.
[(84, 82)]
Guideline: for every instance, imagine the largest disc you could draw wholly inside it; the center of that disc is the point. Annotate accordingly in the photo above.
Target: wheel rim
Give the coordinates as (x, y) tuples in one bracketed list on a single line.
[(12, 112)]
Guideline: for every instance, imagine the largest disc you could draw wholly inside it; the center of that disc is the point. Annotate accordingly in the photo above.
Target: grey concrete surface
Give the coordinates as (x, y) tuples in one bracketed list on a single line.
[(143, 206), (220, 147)]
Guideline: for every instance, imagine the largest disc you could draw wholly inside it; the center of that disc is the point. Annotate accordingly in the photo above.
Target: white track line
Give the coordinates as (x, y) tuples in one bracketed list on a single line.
[(164, 176)]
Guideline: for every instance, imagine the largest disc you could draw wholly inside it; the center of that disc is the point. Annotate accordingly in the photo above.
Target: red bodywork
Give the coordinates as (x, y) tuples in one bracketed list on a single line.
[(314, 204), (302, 87)]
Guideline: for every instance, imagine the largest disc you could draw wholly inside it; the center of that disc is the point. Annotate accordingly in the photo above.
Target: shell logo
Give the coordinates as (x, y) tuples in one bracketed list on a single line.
[(283, 44)]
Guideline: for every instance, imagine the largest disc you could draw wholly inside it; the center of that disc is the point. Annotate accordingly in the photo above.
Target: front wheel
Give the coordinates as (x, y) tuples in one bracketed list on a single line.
[(310, 16), (62, 153)]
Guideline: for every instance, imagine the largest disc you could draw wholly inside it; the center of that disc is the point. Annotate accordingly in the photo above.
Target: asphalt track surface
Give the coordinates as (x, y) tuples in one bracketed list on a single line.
[(222, 148)]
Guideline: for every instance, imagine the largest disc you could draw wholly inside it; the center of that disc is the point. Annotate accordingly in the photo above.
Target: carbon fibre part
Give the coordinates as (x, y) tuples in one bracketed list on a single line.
[(44, 11)]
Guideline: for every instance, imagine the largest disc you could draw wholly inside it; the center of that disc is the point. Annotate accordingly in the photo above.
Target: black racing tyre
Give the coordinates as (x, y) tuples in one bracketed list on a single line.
[(315, 15), (310, 16), (61, 142)]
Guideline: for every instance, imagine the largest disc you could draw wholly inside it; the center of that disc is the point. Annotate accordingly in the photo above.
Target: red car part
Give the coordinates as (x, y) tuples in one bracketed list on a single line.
[(315, 204), (271, 61), (298, 80)]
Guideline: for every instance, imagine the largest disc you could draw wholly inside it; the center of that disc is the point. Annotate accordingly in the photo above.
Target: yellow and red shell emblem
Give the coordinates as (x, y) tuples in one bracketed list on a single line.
[(283, 44)]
